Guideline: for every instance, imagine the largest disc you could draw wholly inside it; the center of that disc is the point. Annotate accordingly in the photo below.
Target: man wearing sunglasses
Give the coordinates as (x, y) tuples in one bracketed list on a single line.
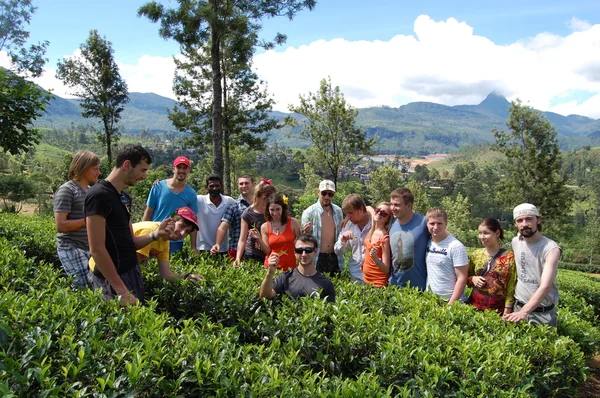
[(323, 220), (304, 280)]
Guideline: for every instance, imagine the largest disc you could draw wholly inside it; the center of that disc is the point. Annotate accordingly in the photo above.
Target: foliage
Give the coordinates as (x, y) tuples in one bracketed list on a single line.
[(21, 102), (459, 216), (94, 77), (14, 190), (14, 16), (330, 127), (422, 202), (383, 181), (532, 171), (220, 37), (588, 268), (217, 338)]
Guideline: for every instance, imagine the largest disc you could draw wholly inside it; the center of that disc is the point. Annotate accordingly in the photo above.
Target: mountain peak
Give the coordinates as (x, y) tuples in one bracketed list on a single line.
[(496, 104)]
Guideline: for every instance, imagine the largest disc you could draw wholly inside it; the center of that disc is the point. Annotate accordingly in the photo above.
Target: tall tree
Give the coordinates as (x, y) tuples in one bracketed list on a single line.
[(532, 170), (382, 182), (200, 24), (329, 125), (94, 77), (21, 101)]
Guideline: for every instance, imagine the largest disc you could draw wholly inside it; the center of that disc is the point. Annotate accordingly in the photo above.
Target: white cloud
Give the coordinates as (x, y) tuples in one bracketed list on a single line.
[(443, 62)]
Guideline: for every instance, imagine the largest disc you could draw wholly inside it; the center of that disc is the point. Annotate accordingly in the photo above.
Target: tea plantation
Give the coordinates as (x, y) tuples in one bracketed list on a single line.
[(217, 338)]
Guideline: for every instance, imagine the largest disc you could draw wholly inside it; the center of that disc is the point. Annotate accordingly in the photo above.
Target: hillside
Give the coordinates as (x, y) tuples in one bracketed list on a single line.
[(414, 129)]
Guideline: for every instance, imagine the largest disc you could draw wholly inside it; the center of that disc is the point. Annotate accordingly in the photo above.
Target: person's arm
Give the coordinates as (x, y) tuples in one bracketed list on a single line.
[(295, 226), (266, 287), (263, 239), (63, 225), (509, 300), (148, 214), (307, 225), (96, 229), (382, 264), (341, 245), (193, 242), (164, 269), (472, 279), (241, 243), (548, 277), (461, 273), (164, 230), (220, 237)]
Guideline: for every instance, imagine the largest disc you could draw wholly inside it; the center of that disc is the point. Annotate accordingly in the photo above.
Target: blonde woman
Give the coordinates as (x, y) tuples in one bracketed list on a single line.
[(72, 241), (376, 268), (252, 219)]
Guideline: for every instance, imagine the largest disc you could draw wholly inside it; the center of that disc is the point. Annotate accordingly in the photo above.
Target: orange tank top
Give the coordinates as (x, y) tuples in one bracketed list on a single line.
[(284, 244), (371, 272)]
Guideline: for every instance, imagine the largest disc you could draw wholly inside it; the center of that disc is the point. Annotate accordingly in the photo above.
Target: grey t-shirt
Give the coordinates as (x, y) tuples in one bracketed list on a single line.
[(530, 259), (254, 220), (70, 198), (294, 284)]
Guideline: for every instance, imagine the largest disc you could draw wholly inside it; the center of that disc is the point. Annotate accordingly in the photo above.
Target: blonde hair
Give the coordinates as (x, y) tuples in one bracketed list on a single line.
[(81, 162), (387, 225), (437, 212), (263, 188)]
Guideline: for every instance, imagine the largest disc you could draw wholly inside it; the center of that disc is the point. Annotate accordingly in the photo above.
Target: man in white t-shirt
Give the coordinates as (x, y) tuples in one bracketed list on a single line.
[(536, 293), (446, 259), (210, 211)]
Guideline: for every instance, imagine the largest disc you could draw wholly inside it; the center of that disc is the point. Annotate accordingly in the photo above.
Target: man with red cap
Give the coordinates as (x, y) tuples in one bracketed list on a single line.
[(173, 193)]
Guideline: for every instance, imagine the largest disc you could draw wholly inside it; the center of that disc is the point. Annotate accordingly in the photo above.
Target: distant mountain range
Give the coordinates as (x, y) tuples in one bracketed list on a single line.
[(417, 128)]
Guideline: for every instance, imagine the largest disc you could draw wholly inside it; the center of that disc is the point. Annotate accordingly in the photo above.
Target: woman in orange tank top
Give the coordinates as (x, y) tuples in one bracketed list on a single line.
[(376, 267), (279, 233)]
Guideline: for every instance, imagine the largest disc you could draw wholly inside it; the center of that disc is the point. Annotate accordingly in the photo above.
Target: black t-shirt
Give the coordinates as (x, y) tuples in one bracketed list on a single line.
[(104, 200), (294, 284)]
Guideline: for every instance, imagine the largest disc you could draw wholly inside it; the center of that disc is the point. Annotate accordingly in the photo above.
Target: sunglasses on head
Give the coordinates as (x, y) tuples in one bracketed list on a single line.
[(300, 250), (381, 212), (326, 193)]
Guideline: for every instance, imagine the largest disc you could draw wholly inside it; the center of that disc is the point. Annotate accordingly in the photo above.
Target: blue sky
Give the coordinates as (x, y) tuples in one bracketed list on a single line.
[(404, 42)]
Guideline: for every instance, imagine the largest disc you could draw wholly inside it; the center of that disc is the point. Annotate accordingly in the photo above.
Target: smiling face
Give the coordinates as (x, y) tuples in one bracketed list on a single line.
[(383, 213), (181, 172), (304, 258), (488, 237), (181, 230), (275, 211), (245, 186), (137, 173), (399, 209)]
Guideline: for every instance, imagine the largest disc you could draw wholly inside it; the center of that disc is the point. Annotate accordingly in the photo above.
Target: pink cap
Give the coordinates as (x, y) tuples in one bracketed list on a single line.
[(181, 160), (189, 215)]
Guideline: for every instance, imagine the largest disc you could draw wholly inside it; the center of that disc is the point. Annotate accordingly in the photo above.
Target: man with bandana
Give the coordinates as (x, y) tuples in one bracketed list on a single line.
[(210, 212), (536, 256)]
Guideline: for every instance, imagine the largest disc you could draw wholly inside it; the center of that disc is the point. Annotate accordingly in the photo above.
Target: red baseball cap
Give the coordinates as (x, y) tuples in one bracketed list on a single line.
[(181, 160), (189, 215)]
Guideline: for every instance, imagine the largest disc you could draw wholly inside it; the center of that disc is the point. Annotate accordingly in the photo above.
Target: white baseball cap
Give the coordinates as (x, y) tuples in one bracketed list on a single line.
[(525, 209), (326, 185)]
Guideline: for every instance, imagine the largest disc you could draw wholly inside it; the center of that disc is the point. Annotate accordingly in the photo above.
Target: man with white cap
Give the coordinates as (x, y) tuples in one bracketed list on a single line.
[(168, 195), (536, 294), (323, 220)]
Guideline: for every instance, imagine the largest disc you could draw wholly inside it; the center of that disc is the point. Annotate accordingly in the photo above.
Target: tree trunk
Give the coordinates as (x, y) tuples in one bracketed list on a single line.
[(108, 135), (217, 127), (226, 137)]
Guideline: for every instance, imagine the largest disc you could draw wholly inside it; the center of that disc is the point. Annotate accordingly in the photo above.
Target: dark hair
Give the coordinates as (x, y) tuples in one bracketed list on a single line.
[(213, 177), (187, 222), (247, 176), (134, 153), (278, 200), (353, 202), (493, 225), (307, 238), (404, 193)]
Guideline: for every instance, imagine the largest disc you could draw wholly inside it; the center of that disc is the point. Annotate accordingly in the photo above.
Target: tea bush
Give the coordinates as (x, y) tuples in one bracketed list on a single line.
[(217, 338), (589, 268)]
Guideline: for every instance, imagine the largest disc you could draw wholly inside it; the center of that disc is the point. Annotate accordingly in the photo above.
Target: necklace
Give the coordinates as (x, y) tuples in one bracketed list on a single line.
[(276, 228)]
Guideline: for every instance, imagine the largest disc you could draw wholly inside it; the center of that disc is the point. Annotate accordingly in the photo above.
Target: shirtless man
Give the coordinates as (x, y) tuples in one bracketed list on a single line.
[(323, 220)]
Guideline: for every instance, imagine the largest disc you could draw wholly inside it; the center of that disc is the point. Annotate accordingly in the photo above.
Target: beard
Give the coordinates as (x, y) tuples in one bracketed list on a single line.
[(527, 232), (214, 192)]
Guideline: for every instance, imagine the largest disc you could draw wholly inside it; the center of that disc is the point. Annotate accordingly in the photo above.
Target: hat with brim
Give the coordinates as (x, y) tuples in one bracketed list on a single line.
[(326, 185), (189, 215)]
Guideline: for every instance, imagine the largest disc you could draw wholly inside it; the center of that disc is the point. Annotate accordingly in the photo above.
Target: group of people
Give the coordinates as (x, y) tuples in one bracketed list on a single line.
[(389, 244)]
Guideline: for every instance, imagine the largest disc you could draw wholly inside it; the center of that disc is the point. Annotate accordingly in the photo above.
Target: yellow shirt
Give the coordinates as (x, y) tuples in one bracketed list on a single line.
[(158, 248)]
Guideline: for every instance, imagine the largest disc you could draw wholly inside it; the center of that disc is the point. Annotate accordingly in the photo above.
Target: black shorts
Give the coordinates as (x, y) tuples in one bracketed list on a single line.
[(327, 263), (132, 280)]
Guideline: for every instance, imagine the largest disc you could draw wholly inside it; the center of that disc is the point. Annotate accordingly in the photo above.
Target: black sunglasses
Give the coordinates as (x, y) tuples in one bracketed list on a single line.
[(300, 250), (330, 194), (381, 212)]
